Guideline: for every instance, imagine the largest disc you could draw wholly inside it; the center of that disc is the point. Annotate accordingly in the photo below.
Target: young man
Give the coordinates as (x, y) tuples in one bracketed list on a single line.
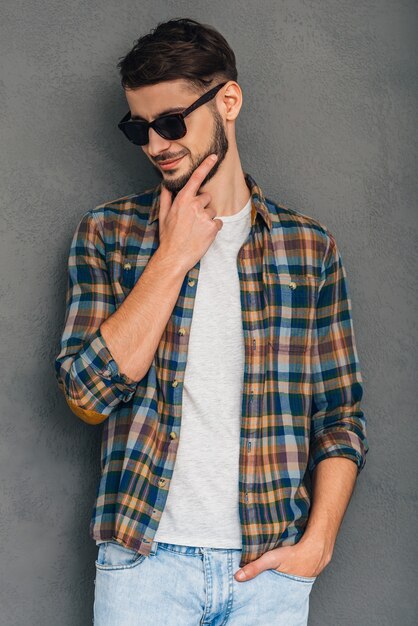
[(209, 329)]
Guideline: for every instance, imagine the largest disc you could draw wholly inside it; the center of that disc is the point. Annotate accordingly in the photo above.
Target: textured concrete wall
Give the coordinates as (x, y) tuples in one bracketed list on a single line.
[(328, 127)]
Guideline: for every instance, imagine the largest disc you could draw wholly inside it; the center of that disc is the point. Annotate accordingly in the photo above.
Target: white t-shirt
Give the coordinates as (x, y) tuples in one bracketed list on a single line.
[(202, 503)]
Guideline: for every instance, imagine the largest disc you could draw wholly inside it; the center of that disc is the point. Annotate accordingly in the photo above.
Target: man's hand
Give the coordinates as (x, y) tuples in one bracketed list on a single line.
[(187, 227), (332, 485), (306, 558)]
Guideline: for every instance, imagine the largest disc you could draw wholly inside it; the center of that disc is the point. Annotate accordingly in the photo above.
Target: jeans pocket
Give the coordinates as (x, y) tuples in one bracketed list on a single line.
[(295, 577), (114, 556)]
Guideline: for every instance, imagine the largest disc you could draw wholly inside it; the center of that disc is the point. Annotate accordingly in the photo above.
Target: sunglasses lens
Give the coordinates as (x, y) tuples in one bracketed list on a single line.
[(170, 127), (136, 132)]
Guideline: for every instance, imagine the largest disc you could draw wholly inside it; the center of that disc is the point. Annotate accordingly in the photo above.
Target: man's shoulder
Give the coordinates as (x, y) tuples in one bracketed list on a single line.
[(123, 206), (115, 224), (301, 226), (124, 220), (287, 218), (306, 234)]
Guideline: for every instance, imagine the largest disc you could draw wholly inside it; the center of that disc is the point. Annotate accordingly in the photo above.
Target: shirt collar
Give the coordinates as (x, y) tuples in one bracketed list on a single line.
[(258, 202)]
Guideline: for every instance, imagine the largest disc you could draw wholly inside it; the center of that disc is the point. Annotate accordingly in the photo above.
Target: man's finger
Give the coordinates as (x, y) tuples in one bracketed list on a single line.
[(249, 571), (193, 184), (266, 561), (219, 223)]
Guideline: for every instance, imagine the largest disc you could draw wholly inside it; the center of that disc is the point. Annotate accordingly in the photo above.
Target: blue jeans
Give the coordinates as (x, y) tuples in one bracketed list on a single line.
[(190, 586)]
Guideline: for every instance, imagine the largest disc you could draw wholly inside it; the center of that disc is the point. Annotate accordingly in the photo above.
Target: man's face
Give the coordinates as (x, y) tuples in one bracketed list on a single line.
[(205, 131)]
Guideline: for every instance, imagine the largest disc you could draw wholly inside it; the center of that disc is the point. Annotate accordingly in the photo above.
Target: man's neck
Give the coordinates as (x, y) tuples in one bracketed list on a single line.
[(228, 188)]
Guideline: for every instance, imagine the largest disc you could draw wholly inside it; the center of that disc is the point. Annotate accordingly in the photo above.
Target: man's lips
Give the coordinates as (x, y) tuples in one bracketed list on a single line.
[(166, 165)]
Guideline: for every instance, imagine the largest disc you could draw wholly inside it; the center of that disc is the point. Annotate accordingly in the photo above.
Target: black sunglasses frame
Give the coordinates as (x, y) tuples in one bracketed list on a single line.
[(126, 122)]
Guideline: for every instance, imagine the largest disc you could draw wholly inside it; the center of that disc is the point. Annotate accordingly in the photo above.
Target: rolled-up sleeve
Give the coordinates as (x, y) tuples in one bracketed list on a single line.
[(338, 424), (85, 369)]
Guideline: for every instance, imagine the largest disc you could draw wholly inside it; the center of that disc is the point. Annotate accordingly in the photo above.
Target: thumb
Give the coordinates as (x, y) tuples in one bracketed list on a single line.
[(253, 569)]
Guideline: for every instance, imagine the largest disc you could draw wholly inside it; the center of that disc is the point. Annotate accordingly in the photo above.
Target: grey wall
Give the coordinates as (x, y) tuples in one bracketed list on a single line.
[(328, 127)]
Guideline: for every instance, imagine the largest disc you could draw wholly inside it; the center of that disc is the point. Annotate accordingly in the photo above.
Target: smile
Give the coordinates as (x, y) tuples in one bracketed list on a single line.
[(170, 164)]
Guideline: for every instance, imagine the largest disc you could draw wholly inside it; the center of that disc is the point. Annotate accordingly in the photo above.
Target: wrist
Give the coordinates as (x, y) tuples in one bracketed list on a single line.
[(170, 262), (323, 542)]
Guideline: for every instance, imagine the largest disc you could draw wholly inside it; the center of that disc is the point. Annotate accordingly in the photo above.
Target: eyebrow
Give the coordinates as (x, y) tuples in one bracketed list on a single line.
[(165, 112)]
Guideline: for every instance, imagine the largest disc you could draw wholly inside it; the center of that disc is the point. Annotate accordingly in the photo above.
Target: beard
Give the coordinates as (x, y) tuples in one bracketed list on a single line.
[(218, 145)]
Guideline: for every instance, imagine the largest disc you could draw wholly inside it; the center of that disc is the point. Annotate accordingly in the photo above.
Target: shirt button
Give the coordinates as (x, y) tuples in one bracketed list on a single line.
[(191, 282), (174, 383), (182, 331), (161, 482), (292, 285), (173, 435), (107, 373)]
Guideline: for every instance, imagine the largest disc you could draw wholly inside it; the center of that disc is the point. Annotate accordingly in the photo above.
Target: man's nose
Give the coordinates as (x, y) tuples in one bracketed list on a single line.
[(156, 143)]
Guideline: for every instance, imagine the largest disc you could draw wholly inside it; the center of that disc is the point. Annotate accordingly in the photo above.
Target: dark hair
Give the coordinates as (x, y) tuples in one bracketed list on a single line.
[(179, 49)]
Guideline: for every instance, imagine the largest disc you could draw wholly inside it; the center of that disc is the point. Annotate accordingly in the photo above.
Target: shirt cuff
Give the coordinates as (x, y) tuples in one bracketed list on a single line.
[(98, 356), (344, 443)]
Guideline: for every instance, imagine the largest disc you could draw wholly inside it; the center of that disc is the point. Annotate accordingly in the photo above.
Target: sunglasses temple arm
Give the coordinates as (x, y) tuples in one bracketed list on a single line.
[(205, 98)]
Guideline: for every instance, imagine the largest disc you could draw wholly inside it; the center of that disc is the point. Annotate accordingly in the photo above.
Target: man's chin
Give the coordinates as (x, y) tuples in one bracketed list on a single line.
[(176, 183)]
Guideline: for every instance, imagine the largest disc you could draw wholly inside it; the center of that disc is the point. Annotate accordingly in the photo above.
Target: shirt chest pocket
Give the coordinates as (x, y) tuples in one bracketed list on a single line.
[(291, 311), (125, 271)]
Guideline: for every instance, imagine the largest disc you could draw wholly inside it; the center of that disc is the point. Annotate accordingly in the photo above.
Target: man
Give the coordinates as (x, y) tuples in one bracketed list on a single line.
[(209, 329)]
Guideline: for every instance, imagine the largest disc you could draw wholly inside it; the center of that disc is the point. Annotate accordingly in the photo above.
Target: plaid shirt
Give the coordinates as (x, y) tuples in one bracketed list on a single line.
[(302, 386)]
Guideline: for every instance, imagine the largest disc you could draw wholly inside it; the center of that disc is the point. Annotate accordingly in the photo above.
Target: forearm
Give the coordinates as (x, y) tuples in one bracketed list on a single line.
[(134, 330), (333, 482)]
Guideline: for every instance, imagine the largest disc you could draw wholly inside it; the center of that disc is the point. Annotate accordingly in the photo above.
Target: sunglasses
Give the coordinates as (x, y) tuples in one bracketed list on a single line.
[(171, 126)]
